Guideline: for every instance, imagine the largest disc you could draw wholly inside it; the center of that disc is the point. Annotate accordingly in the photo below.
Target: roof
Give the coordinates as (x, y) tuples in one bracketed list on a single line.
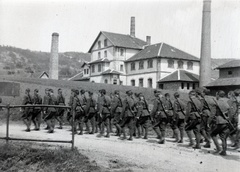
[(121, 40), (38, 74), (225, 82), (44, 73), (180, 75), (84, 63), (110, 71), (162, 50), (231, 64), (99, 61), (76, 77)]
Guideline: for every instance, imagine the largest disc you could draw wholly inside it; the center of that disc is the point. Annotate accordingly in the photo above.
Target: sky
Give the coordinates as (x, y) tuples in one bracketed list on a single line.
[(29, 24)]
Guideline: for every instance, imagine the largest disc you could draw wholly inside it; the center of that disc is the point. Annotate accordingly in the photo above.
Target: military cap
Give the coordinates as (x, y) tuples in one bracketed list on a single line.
[(82, 91), (116, 92), (221, 93), (198, 90), (77, 92), (51, 90), (103, 91), (59, 89), (193, 93), (73, 90), (140, 95), (28, 89), (237, 92), (166, 94), (90, 93), (36, 90), (46, 89), (206, 91), (176, 94), (129, 92)]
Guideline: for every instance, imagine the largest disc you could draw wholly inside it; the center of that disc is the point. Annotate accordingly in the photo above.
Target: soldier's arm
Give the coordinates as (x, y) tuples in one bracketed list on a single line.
[(188, 110), (154, 110), (124, 108), (139, 110)]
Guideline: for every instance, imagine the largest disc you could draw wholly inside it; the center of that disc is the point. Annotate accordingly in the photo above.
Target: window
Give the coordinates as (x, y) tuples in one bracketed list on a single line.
[(229, 72), (188, 86), (121, 52), (150, 63), (141, 82), (170, 63), (105, 53), (105, 43), (99, 55), (150, 83), (99, 44), (87, 71), (115, 81), (193, 86), (93, 68), (121, 67), (99, 67), (121, 82), (132, 82), (105, 81), (180, 64), (132, 66), (160, 86), (190, 65), (141, 65), (182, 85)]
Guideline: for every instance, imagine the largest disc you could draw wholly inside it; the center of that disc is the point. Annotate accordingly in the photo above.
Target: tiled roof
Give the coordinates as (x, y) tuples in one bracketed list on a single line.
[(121, 40), (110, 71), (231, 64), (225, 82), (99, 61), (162, 50), (180, 75)]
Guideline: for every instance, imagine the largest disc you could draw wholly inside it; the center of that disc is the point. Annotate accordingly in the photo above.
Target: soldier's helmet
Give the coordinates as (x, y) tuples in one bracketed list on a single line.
[(192, 93), (103, 91), (82, 91), (51, 90), (221, 93), (28, 90), (199, 91), (76, 92), (129, 92), (36, 90), (237, 92), (116, 92), (176, 95), (140, 95), (90, 93)]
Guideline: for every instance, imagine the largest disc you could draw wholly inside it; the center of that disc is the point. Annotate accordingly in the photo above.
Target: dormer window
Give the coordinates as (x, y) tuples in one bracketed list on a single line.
[(190, 65), (170, 63), (180, 64), (99, 44)]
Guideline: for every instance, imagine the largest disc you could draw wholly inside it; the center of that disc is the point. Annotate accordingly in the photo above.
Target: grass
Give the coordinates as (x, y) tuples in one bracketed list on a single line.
[(39, 157)]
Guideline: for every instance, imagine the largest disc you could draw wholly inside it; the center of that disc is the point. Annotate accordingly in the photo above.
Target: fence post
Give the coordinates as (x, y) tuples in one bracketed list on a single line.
[(8, 116), (73, 127)]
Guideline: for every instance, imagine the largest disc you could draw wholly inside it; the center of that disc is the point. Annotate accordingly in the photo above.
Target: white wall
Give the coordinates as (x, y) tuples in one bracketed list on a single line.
[(145, 77)]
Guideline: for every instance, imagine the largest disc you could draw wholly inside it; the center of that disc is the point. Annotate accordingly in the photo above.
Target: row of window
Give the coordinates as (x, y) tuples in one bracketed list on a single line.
[(105, 43), (160, 86), (86, 71), (105, 53), (170, 64), (140, 81)]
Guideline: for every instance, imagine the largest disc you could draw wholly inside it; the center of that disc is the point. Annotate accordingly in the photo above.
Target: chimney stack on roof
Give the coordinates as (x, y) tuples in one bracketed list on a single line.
[(53, 71), (205, 57), (148, 40), (132, 27)]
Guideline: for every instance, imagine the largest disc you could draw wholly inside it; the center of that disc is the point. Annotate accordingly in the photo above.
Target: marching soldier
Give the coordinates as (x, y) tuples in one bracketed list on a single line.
[(128, 115), (27, 111), (179, 112), (221, 129), (45, 102), (37, 111), (91, 111), (207, 115), (84, 118), (70, 111), (159, 116), (116, 109), (143, 116), (237, 138), (104, 106), (60, 111), (170, 115), (51, 111), (193, 119)]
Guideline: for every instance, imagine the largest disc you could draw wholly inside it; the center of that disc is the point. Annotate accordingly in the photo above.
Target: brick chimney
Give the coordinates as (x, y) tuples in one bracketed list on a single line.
[(53, 71), (205, 57), (148, 40), (132, 27)]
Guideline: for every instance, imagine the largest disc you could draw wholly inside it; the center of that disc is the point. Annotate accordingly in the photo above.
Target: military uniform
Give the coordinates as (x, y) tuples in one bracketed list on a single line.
[(45, 102), (60, 111), (179, 112), (51, 112), (37, 111), (116, 109), (27, 111), (193, 120), (104, 105), (80, 112), (159, 115), (143, 116), (91, 112), (221, 127), (128, 115), (70, 103)]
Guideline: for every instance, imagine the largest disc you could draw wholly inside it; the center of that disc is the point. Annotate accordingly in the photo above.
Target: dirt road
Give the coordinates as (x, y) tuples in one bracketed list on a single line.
[(139, 155)]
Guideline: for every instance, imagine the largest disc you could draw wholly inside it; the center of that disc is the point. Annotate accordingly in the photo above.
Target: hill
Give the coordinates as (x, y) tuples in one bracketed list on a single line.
[(22, 63)]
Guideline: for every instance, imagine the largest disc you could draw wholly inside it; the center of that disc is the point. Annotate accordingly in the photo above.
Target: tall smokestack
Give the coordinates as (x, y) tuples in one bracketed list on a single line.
[(148, 40), (205, 57), (53, 73), (132, 27)]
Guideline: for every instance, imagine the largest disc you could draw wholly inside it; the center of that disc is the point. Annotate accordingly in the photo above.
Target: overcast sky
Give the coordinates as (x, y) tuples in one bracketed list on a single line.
[(29, 24)]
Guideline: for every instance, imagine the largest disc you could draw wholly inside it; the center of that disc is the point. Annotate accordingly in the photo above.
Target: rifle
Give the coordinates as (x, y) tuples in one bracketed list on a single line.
[(230, 125), (194, 106), (162, 107), (180, 107), (80, 105)]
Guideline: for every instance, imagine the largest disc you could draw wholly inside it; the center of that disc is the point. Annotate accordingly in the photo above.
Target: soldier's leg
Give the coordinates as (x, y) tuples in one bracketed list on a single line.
[(214, 134), (92, 121), (107, 124), (197, 134), (25, 121), (181, 126), (131, 126), (162, 126), (138, 126), (223, 136), (81, 122), (205, 131), (156, 128), (146, 126)]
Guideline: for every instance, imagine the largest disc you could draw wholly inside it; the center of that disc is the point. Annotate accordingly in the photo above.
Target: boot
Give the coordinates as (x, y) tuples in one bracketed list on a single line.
[(189, 134), (158, 133), (146, 134), (198, 140), (215, 141), (124, 134), (181, 136), (138, 133), (175, 131)]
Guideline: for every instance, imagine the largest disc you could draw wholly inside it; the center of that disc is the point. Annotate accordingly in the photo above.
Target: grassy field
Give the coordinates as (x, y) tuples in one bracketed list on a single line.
[(43, 158)]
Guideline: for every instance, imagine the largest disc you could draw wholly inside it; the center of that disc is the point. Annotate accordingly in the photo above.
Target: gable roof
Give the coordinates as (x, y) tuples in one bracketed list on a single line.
[(76, 77), (111, 71), (38, 74), (225, 82), (99, 61), (180, 75), (231, 64), (121, 40), (44, 73), (162, 50)]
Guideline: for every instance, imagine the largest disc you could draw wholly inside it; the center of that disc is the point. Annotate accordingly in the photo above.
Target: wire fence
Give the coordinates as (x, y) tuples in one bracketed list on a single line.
[(9, 107)]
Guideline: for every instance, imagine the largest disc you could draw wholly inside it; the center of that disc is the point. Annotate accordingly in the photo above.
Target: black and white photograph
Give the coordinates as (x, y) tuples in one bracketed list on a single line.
[(119, 85)]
